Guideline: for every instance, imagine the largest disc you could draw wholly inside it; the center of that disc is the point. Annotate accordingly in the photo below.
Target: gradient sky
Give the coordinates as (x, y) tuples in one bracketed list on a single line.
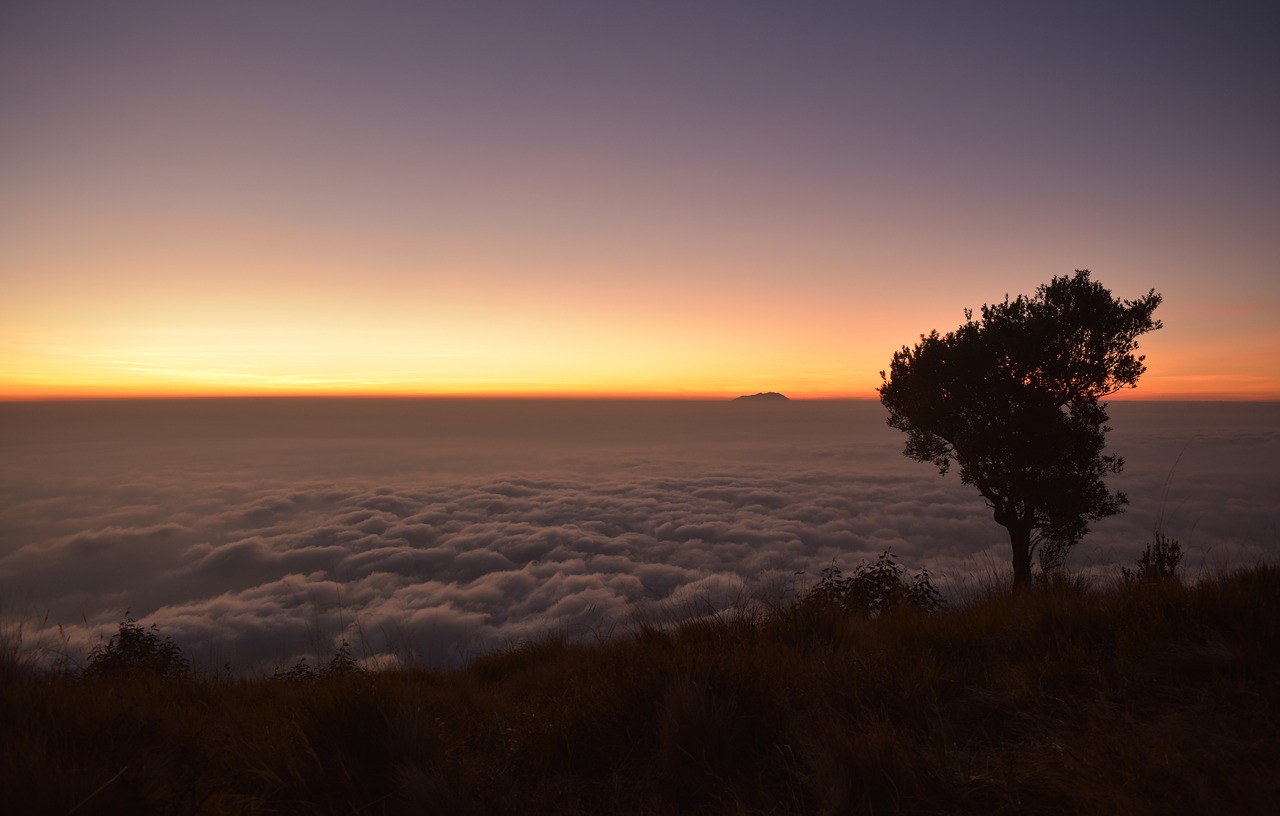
[(692, 198)]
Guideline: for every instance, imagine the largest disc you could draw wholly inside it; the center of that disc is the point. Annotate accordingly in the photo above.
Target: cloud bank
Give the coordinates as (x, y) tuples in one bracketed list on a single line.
[(257, 534)]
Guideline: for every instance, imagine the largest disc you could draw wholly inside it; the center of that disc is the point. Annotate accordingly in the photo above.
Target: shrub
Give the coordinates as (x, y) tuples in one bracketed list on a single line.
[(1159, 562), (341, 664), (876, 587), (137, 650)]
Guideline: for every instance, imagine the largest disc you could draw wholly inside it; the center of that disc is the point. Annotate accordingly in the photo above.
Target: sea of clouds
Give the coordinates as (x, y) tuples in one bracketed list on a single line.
[(256, 533)]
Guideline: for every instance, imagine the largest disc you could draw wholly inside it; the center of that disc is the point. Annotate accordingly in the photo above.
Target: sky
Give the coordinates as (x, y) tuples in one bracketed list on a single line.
[(259, 532), (641, 199)]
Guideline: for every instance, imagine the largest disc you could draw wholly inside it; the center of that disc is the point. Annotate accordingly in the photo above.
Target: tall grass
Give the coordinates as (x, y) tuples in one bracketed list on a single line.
[(1143, 698)]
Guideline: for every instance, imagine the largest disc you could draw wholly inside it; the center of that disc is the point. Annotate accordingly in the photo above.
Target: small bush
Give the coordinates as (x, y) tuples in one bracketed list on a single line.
[(137, 650), (341, 664), (1052, 564), (874, 588), (1159, 562)]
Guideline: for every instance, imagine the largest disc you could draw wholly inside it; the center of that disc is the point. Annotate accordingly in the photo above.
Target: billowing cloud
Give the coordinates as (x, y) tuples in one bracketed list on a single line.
[(261, 556)]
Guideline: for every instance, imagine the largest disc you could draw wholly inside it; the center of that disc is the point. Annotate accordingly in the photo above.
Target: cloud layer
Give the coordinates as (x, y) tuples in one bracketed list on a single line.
[(441, 534)]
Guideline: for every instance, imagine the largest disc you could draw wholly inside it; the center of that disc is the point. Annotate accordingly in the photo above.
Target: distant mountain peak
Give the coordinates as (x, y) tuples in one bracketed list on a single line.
[(765, 396)]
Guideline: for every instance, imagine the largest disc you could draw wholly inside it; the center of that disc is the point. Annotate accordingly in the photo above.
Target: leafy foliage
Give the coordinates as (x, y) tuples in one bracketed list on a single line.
[(1013, 398), (875, 588), (1159, 562), (341, 663), (137, 650)]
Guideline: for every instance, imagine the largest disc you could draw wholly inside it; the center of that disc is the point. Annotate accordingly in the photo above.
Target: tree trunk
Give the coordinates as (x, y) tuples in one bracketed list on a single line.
[(1020, 542), (1019, 539)]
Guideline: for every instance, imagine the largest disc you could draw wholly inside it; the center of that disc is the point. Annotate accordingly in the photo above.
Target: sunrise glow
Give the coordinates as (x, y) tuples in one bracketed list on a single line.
[(228, 200)]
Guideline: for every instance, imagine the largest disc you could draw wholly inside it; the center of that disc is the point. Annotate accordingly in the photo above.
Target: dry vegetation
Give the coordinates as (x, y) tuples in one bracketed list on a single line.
[(1149, 697)]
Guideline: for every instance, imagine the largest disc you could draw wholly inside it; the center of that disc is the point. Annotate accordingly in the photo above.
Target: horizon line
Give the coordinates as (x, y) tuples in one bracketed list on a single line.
[(542, 396)]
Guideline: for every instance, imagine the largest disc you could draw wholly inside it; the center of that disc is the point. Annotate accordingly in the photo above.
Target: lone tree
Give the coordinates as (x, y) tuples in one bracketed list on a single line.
[(1014, 399)]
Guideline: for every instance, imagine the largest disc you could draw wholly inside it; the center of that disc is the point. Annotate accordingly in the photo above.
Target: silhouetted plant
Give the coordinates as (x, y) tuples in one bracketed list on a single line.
[(876, 587), (1159, 562), (298, 672), (137, 650), (1014, 399), (341, 663)]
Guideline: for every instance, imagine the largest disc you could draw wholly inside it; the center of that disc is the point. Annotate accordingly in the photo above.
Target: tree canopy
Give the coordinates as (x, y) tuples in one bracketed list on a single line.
[(1014, 399)]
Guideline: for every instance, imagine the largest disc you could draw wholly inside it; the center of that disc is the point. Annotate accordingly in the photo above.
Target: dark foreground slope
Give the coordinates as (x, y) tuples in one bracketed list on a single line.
[(1152, 699)]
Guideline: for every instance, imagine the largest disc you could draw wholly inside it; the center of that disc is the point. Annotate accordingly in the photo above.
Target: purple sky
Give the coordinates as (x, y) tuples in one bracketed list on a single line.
[(703, 198)]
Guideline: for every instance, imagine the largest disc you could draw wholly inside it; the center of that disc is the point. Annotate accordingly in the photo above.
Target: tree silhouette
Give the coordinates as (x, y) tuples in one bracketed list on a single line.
[(1014, 399)]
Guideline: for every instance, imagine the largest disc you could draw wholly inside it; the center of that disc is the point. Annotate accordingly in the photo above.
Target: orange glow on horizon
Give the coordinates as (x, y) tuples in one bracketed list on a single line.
[(1187, 389), (612, 343), (80, 391), (611, 203)]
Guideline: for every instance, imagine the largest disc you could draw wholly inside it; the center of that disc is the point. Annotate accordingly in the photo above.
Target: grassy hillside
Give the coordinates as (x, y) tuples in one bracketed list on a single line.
[(1147, 698)]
